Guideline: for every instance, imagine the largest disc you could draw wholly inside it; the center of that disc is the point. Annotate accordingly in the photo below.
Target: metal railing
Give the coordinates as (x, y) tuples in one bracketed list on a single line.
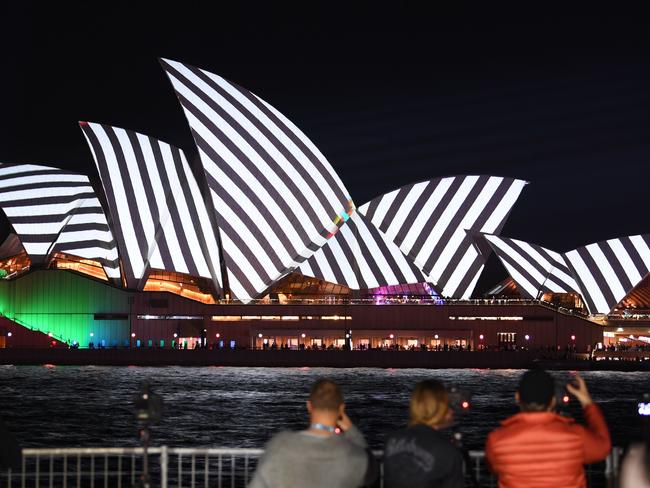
[(195, 467)]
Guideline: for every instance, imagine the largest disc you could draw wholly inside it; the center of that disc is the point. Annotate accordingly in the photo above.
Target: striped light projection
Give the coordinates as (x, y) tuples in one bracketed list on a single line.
[(52, 210), (432, 222), (534, 268), (607, 271), (276, 197), (361, 257), (158, 213)]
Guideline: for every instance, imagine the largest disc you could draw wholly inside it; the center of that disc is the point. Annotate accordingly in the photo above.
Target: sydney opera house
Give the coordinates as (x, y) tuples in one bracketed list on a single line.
[(261, 246)]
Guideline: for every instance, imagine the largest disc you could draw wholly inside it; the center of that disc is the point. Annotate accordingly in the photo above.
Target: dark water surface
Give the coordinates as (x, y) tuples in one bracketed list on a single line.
[(242, 407)]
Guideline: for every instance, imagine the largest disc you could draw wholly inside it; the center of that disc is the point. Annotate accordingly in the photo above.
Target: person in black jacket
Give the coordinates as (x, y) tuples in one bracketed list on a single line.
[(10, 452), (420, 456)]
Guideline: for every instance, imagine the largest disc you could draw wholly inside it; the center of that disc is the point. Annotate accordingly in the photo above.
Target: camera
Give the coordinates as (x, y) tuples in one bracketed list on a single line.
[(148, 409), (459, 399), (644, 405), (562, 400), (148, 406), (562, 397)]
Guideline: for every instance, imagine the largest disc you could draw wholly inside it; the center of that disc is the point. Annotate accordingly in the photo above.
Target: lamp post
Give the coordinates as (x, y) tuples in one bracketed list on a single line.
[(130, 301)]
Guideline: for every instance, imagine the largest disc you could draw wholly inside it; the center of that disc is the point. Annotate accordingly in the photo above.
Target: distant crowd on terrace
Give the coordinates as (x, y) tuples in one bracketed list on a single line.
[(569, 348)]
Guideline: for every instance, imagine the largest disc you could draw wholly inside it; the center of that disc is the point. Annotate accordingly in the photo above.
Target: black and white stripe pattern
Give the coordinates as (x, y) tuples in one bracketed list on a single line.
[(360, 257), (276, 196), (52, 210), (429, 221), (534, 268), (157, 211), (607, 271)]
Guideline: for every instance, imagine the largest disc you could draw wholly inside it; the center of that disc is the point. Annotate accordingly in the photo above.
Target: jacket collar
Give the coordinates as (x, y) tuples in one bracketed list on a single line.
[(536, 418)]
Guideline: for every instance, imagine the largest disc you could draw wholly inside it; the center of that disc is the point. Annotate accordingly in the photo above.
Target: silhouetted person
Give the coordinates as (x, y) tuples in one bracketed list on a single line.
[(420, 456), (319, 456), (538, 447), (10, 452)]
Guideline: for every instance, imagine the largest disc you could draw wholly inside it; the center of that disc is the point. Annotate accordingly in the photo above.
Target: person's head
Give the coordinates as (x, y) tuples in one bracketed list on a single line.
[(325, 399), (645, 430), (429, 404), (536, 391)]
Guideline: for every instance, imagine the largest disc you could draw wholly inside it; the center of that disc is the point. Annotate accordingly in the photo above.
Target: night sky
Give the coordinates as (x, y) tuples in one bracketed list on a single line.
[(392, 96)]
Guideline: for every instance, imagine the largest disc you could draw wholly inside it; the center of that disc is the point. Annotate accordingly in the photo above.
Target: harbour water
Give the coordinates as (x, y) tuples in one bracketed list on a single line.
[(54, 406)]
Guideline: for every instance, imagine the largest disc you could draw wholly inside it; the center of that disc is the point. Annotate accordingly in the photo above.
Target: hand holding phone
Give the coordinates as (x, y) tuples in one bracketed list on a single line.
[(578, 388), (344, 422)]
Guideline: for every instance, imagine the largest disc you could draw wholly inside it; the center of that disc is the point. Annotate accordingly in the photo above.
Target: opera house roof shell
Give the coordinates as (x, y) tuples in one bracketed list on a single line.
[(265, 202)]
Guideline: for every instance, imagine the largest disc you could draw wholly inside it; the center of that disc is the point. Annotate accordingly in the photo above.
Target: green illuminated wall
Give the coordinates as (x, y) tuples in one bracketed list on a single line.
[(64, 303)]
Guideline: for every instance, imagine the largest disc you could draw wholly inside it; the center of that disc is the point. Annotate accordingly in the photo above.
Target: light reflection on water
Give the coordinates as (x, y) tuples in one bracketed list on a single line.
[(243, 407)]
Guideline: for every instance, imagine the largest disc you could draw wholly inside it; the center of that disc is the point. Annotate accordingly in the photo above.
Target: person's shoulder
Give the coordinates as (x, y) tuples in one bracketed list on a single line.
[(636, 449), (347, 447), (398, 434), (348, 443), (282, 438), (422, 435), (505, 427)]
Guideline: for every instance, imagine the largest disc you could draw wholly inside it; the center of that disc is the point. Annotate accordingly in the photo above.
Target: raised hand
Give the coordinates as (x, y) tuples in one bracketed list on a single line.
[(578, 388)]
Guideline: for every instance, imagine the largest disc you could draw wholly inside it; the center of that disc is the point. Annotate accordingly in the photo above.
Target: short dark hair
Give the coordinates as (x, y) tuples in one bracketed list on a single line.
[(536, 390), (325, 395)]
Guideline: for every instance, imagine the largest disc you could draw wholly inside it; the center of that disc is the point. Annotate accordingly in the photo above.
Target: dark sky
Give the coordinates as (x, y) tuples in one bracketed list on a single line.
[(390, 96)]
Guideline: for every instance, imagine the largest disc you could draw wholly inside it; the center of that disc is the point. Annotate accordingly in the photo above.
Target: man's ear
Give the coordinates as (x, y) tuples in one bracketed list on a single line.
[(341, 409), (517, 398)]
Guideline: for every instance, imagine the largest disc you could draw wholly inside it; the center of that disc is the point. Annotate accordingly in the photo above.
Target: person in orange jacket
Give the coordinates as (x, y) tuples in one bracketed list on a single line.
[(540, 448)]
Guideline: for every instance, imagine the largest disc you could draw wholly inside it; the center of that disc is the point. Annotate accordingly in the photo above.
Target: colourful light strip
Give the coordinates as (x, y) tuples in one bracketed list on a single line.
[(342, 218)]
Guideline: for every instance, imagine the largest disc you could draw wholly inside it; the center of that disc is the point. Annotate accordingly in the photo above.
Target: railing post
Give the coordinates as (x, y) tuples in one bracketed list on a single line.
[(612, 462), (164, 466), (133, 469), (180, 470), (207, 472), (65, 470), (232, 471), (219, 471), (608, 465), (106, 471), (92, 471), (119, 471), (193, 471), (246, 468)]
